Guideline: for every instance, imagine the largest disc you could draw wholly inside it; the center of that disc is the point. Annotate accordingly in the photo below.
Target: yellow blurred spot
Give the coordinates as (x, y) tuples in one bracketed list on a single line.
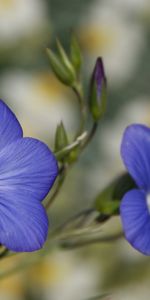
[(48, 86), (7, 4), (45, 272), (12, 285), (97, 38)]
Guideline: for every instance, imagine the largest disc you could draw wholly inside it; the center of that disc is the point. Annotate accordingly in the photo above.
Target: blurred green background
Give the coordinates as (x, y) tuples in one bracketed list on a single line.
[(119, 31)]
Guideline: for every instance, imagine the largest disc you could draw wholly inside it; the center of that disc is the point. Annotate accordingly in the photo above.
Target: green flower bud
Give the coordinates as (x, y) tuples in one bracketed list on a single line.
[(61, 139), (76, 56), (60, 70), (108, 201), (65, 60)]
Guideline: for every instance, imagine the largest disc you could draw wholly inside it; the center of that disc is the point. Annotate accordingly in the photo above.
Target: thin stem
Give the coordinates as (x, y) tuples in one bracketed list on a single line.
[(77, 88), (74, 218), (80, 137), (80, 223), (79, 140), (105, 296), (77, 242), (90, 135), (61, 179)]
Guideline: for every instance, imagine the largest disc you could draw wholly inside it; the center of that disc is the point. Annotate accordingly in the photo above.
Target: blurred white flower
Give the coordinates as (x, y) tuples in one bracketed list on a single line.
[(108, 31), (69, 277), (40, 102), (134, 6), (19, 18)]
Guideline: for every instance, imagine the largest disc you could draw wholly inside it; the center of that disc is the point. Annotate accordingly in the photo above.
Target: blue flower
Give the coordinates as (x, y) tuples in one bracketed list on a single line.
[(28, 170), (135, 205)]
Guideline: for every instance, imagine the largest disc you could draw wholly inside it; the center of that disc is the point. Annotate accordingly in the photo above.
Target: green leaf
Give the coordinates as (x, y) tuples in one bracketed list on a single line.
[(108, 200)]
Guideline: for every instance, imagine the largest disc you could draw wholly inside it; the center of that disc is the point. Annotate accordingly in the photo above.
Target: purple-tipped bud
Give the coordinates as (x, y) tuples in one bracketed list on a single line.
[(98, 90), (99, 75)]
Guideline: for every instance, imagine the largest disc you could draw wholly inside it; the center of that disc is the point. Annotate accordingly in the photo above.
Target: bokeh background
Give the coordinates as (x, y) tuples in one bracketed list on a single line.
[(119, 31)]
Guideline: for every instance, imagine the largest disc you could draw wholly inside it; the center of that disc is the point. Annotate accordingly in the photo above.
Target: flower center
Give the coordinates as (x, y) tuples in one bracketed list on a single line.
[(148, 202)]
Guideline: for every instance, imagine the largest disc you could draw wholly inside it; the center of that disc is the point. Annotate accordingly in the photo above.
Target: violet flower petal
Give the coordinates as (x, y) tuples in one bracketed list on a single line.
[(135, 218), (23, 222), (27, 173), (135, 152), (10, 129), (27, 166)]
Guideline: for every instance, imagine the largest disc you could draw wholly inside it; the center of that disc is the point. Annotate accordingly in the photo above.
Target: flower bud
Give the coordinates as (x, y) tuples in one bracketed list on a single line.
[(76, 56), (60, 69), (65, 60), (98, 91), (61, 139), (108, 201)]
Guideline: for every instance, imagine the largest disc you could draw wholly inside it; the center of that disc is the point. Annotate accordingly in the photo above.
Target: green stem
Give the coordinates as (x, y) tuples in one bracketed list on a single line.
[(80, 136), (90, 135), (77, 88), (85, 222), (74, 218), (61, 179), (78, 242), (80, 139)]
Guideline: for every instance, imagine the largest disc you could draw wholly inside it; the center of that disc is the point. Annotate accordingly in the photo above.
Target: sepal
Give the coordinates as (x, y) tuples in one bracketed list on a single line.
[(59, 69), (61, 139), (108, 201), (75, 54)]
